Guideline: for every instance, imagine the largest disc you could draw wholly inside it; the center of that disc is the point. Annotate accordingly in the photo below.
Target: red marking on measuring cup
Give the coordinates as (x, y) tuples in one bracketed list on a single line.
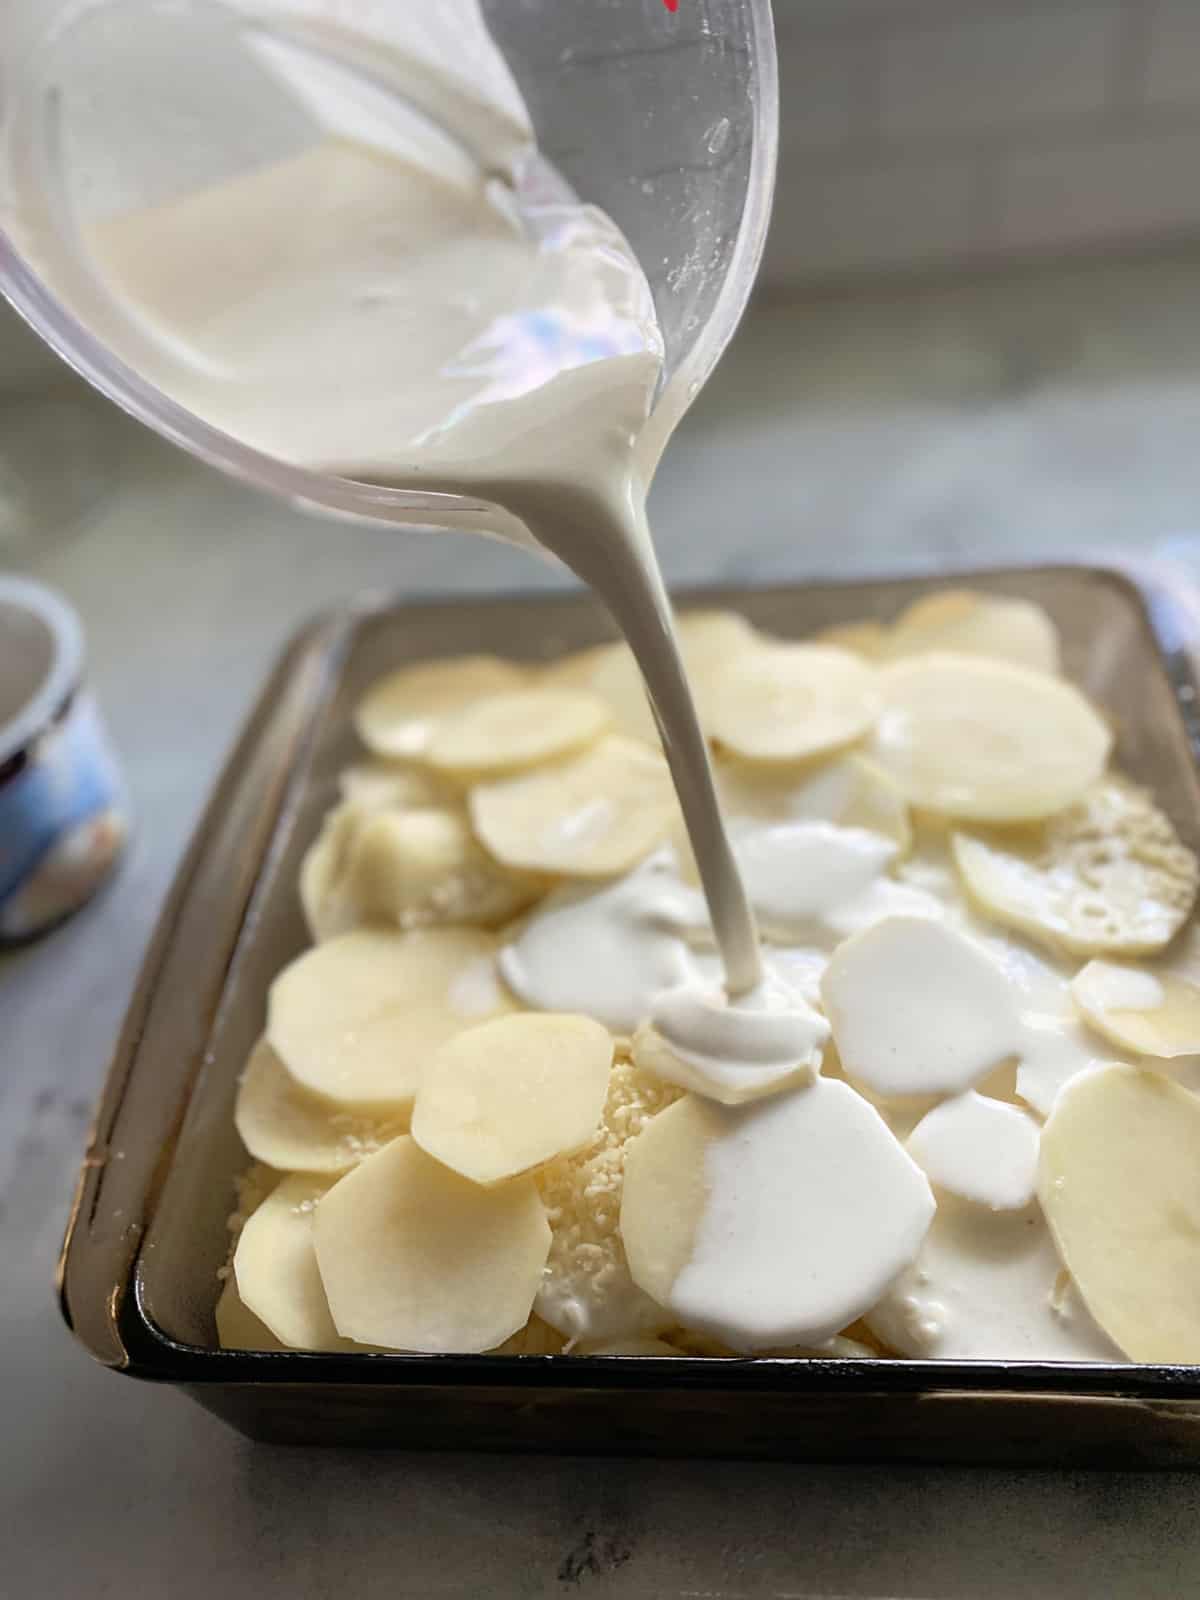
[(671, 5)]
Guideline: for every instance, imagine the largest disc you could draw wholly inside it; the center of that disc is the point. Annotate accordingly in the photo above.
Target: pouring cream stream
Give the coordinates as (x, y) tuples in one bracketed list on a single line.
[(413, 298)]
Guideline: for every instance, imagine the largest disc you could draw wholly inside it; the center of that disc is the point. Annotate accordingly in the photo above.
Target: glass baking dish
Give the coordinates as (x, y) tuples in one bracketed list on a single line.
[(147, 1233)]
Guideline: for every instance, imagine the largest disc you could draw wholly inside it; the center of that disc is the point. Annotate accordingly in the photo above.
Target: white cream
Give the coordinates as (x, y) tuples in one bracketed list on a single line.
[(1053, 1050), (1055, 1044), (918, 1009), (980, 1150), (797, 873), (812, 1208), (819, 882), (632, 951), (988, 1286), (608, 952), (737, 1049), (597, 1308)]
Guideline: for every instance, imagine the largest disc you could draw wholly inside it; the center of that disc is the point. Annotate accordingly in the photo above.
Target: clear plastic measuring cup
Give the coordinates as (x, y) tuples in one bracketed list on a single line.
[(665, 119)]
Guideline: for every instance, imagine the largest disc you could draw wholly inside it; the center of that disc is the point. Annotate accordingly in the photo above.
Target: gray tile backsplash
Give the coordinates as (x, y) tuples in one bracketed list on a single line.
[(931, 133), (923, 133)]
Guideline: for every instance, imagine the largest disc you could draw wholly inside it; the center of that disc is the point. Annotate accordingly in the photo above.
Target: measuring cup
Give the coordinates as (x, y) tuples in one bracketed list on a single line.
[(665, 119)]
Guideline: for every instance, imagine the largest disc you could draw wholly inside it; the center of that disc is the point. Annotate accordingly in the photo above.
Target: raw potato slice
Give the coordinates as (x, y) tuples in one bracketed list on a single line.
[(276, 1268), (708, 642), (775, 1224), (372, 785), (727, 1084), (421, 867), (609, 671), (508, 732), (710, 639), (593, 816), (1108, 876), (294, 1131), (980, 1150), (918, 1008), (786, 702), (503, 1098), (357, 1019), (851, 791), (399, 715), (415, 1257), (1151, 1014), (237, 1327), (986, 740), (977, 625), (1120, 1185), (866, 639), (328, 908)]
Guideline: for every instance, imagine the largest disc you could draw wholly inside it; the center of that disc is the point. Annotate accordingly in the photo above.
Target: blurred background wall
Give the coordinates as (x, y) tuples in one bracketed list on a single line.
[(941, 133)]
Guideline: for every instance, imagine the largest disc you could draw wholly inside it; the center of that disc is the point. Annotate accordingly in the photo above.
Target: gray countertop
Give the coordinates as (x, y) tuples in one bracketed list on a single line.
[(998, 419)]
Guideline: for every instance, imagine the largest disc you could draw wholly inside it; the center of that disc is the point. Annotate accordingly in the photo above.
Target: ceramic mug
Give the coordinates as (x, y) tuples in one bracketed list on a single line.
[(63, 815)]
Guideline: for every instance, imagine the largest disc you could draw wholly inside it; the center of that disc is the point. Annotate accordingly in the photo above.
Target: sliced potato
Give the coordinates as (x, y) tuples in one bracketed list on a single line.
[(866, 639), (986, 740), (328, 908), (399, 715), (918, 1008), (237, 1327), (372, 785), (593, 816), (508, 733), (849, 790), (276, 1269), (1107, 876), (509, 1095), (708, 642), (357, 1019), (1150, 1014), (718, 1208), (1120, 1185), (415, 1257), (786, 702), (423, 867), (609, 671), (972, 624), (294, 1131)]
